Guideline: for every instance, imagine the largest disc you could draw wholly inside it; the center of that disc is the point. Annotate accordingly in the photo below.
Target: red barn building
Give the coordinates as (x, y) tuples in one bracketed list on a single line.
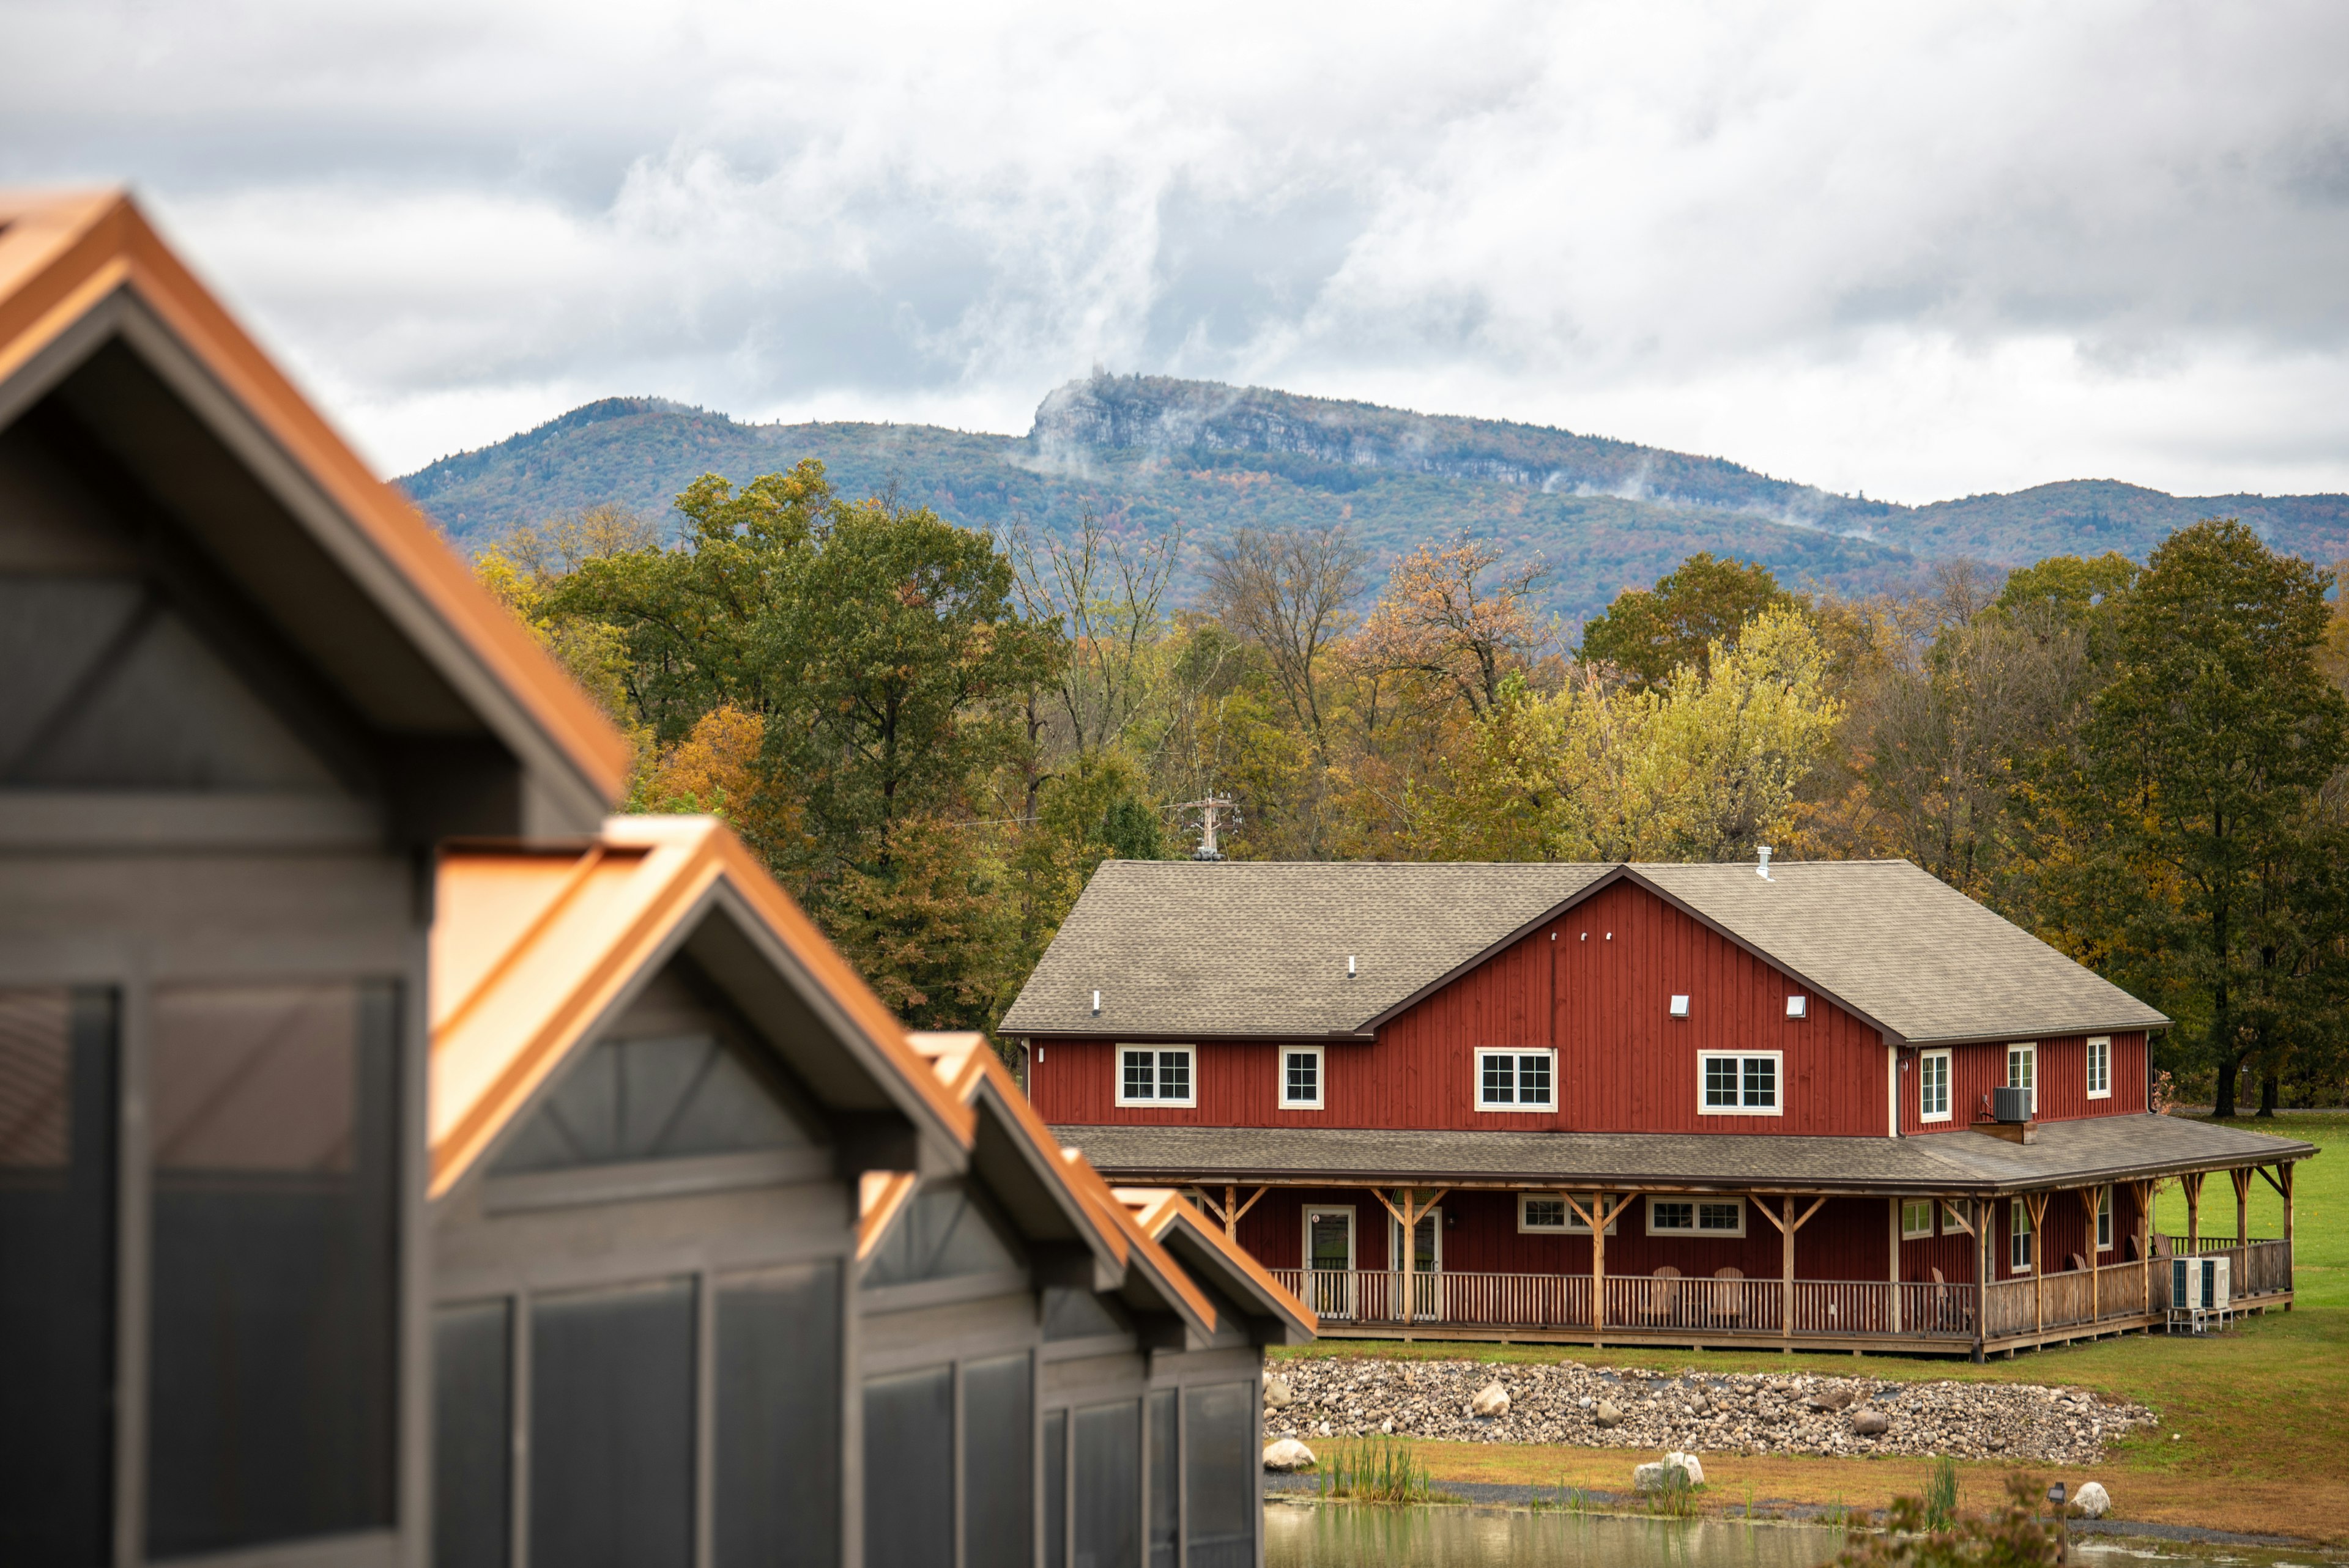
[(1771, 1092)]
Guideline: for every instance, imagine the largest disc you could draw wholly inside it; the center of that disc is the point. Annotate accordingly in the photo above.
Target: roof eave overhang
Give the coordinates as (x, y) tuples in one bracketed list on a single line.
[(110, 277)]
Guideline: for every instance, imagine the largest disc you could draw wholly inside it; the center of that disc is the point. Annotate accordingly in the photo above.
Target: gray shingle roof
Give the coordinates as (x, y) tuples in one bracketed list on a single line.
[(1179, 948), (2068, 1154)]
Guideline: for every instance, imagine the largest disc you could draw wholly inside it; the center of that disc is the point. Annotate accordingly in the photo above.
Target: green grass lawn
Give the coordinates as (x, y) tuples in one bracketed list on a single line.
[(2255, 1421)]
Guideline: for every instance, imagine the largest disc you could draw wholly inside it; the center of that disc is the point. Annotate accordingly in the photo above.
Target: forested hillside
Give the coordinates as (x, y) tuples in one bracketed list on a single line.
[(1142, 453)]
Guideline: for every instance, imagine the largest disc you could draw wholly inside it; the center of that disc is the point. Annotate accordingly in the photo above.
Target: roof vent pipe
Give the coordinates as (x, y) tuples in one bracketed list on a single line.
[(1349, 966), (1763, 871), (1096, 1004)]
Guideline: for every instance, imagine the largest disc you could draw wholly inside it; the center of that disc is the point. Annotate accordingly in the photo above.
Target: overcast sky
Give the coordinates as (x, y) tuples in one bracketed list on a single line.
[(1915, 250)]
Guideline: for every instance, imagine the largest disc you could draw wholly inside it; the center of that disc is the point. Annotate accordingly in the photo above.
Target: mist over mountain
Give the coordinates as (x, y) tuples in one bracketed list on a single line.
[(1147, 452)]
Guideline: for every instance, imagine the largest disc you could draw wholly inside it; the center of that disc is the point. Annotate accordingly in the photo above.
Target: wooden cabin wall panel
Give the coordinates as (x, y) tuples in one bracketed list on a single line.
[(2063, 1069), (1952, 1252)]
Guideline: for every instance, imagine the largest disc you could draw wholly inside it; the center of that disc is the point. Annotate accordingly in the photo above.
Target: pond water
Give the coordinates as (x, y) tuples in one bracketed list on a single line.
[(1313, 1537), (1298, 1536)]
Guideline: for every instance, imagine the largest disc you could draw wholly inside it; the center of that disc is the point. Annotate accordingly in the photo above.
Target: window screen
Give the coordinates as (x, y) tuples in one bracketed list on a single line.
[(274, 1296), (473, 1443), (1166, 1479), (650, 1100), (998, 1446), (1219, 1488), (776, 1484), (57, 1274), (1109, 1487), (1056, 1490), (612, 1427), (909, 1468)]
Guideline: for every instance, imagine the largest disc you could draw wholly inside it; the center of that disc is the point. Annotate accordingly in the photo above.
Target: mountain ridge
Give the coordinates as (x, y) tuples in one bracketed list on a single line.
[(1153, 451)]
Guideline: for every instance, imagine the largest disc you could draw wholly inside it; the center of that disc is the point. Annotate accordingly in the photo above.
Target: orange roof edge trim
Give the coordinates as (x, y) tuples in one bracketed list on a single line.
[(62, 255), (1144, 1246), (689, 858), (1159, 1210)]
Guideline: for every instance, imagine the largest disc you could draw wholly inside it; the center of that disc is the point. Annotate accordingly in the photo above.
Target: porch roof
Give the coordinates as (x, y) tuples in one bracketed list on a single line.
[(2067, 1154)]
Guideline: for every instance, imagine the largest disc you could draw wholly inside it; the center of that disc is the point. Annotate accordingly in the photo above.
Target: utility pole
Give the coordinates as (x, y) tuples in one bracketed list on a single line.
[(1209, 809)]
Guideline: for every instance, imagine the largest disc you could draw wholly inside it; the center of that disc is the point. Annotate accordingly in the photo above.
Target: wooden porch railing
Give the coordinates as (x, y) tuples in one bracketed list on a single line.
[(2259, 1267), (1735, 1308)]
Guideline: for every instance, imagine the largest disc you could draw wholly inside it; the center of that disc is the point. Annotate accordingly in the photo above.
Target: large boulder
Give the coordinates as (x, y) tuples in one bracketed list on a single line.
[(1868, 1423), (2093, 1500), (1288, 1454), (1658, 1476), (1492, 1399), (1688, 1462), (1278, 1394), (1607, 1415)]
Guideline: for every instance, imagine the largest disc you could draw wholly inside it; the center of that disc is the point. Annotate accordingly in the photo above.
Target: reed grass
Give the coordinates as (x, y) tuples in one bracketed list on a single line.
[(1376, 1470)]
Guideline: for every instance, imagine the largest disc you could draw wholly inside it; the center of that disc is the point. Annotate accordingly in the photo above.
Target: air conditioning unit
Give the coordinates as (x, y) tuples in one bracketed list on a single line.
[(2009, 1104), (2200, 1284)]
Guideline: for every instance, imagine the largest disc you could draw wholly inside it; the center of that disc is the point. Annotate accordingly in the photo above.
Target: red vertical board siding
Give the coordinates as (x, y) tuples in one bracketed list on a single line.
[(2063, 1072), (1603, 1000)]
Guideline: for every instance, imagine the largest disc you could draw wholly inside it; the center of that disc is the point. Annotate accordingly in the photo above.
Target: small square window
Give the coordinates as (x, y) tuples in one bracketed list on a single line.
[(1680, 1007), (1300, 1077), (1738, 1084), (1541, 1212), (1664, 1215), (1798, 1007), (1155, 1075), (1721, 1219), (1916, 1218), (1515, 1080)]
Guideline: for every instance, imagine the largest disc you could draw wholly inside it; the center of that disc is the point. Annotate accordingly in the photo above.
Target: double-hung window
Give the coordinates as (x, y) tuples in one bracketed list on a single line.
[(1517, 1080), (1916, 1218), (1155, 1075), (2023, 1071), (1695, 1217), (1933, 1085), (2104, 1218), (1744, 1083), (1300, 1077), (2018, 1237), (2100, 1067)]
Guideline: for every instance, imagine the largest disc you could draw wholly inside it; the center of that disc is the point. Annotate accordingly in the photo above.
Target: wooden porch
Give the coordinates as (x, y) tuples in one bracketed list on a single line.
[(1955, 1318)]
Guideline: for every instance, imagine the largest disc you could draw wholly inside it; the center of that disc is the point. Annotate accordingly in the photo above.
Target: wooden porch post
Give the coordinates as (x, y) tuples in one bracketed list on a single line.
[(1597, 1217), (1787, 1227), (2243, 1179), (1408, 1217), (1894, 1204), (2088, 1200), (2284, 1170), (2037, 1204), (1981, 1208), (2192, 1182), (2144, 1191)]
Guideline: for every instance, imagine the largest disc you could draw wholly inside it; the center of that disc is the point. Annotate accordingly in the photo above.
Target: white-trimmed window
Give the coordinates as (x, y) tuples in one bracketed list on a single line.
[(1933, 1086), (2018, 1237), (1954, 1219), (1916, 1219), (1156, 1075), (1550, 1213), (1300, 1077), (1696, 1217), (2100, 1067), (1739, 1083), (1517, 1080), (2023, 1071), (2104, 1218)]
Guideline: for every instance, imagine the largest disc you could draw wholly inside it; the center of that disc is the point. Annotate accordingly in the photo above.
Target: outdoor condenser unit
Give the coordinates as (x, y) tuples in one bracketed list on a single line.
[(2009, 1104), (2199, 1284)]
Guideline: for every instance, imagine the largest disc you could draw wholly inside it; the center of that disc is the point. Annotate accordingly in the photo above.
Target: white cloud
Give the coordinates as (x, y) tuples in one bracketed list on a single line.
[(1918, 250)]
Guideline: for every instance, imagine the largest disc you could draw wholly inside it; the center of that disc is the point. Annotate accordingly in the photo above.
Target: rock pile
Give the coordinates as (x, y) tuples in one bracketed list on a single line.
[(1704, 1413)]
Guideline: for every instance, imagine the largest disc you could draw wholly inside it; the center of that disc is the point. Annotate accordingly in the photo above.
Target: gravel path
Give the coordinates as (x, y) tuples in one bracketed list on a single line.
[(1697, 1411)]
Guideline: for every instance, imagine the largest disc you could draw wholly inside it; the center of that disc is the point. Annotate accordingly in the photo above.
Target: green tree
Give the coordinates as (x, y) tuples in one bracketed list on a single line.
[(2208, 755), (1648, 633), (896, 664)]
